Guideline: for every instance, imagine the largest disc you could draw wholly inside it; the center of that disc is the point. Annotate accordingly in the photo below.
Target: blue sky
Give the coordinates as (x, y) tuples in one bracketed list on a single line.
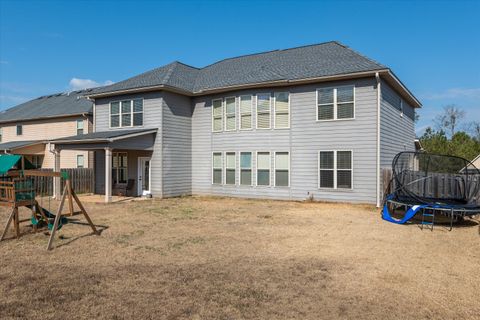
[(54, 46)]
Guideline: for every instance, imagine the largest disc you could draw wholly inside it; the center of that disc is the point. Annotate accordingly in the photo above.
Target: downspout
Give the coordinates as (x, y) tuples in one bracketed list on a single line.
[(377, 76)]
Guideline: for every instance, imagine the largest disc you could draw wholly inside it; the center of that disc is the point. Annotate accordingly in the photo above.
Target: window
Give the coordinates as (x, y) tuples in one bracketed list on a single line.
[(263, 111), (80, 161), (246, 168), (119, 167), (36, 161), (217, 115), (217, 168), (126, 113), (282, 167), (1, 134), (245, 112), (230, 168), (282, 110), (230, 114), (19, 129), (79, 127), (335, 169), (263, 169), (336, 103)]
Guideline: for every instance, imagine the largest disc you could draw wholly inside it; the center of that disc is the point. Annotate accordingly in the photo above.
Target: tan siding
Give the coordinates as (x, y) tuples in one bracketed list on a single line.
[(47, 130)]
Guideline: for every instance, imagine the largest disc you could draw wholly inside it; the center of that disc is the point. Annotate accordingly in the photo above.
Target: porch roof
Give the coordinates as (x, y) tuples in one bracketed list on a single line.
[(12, 145), (104, 136)]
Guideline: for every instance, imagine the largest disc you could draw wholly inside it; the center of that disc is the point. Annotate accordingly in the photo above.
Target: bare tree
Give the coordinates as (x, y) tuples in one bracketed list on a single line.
[(474, 129), (449, 119)]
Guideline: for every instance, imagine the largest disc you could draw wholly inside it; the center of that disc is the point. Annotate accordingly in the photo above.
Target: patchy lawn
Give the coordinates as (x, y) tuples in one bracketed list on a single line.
[(220, 258)]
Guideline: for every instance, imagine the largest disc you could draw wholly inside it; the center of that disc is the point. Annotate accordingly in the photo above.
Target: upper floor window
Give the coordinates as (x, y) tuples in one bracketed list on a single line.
[(126, 113), (19, 129), (230, 114), (282, 110), (245, 112), (263, 111), (335, 169), (217, 115), (336, 103), (79, 127)]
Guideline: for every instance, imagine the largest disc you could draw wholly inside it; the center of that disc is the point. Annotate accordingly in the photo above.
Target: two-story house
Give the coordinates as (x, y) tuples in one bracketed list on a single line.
[(317, 122), (27, 128)]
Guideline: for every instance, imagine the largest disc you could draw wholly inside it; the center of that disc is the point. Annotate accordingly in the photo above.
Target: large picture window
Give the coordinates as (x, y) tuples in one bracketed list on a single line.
[(230, 114), (126, 113), (263, 168), (217, 115), (335, 169), (245, 112), (282, 110), (263, 111), (282, 168), (119, 167), (246, 168), (336, 103), (217, 168)]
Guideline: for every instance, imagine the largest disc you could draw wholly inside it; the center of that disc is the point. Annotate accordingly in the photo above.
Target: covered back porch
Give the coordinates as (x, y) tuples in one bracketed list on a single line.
[(123, 160)]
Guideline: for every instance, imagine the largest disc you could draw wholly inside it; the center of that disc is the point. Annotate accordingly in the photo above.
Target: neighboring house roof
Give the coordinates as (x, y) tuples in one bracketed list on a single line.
[(51, 106), (104, 136), (278, 66), (12, 145)]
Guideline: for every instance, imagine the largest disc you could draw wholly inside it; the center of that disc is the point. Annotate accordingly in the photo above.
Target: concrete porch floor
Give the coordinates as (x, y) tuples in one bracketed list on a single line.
[(100, 198)]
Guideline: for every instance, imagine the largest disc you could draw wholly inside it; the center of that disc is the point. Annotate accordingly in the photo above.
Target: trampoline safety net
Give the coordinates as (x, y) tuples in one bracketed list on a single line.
[(423, 178)]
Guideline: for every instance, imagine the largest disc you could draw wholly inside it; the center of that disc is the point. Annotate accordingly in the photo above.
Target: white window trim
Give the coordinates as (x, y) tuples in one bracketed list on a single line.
[(252, 154), (240, 112), (213, 116), (275, 110), (120, 114), (222, 168), (83, 157), (226, 168), (270, 170), (401, 108), (275, 168), (335, 106), (269, 111), (225, 114), (334, 170)]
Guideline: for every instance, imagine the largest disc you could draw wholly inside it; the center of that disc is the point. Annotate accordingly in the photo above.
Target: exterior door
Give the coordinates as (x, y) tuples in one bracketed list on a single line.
[(144, 178)]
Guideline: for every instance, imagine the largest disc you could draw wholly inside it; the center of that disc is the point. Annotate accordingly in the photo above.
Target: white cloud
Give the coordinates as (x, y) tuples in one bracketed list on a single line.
[(79, 84), (3, 62), (455, 93)]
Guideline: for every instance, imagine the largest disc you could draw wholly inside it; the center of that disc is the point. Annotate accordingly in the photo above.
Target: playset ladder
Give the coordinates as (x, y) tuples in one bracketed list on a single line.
[(428, 219)]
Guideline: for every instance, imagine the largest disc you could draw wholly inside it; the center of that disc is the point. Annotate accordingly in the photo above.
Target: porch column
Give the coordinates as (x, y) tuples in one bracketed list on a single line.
[(108, 175), (57, 187)]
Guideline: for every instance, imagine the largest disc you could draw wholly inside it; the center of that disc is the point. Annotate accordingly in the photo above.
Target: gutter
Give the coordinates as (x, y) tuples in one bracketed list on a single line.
[(379, 84)]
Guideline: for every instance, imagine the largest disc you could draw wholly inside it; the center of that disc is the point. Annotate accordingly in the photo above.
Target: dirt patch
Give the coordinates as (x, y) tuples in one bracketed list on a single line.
[(222, 258)]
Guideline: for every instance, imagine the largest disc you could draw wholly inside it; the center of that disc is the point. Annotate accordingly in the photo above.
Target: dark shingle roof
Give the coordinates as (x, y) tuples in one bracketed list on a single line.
[(8, 146), (55, 105), (101, 136), (326, 59)]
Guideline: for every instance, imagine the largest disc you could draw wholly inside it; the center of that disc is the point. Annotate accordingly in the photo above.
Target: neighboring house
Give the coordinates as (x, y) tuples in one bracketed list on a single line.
[(317, 122), (27, 128)]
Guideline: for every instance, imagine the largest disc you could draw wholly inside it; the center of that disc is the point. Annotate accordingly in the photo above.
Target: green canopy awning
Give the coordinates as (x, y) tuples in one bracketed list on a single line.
[(12, 161)]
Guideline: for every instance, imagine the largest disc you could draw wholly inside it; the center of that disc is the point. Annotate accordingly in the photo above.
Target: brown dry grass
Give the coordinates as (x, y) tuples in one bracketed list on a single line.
[(215, 258)]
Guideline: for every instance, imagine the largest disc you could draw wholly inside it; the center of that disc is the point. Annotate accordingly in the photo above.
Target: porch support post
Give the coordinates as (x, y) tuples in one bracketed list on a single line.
[(108, 175), (57, 187)]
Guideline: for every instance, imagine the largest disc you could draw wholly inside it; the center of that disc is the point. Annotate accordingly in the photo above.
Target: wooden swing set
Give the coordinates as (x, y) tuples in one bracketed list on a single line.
[(18, 190)]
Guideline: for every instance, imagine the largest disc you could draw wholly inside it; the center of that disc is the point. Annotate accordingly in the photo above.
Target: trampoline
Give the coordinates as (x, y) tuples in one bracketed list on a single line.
[(429, 185)]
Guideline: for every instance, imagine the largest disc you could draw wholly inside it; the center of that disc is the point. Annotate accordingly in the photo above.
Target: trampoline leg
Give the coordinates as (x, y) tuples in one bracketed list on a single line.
[(451, 220)]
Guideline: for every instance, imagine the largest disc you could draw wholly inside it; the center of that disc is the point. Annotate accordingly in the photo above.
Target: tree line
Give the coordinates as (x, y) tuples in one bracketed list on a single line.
[(452, 135)]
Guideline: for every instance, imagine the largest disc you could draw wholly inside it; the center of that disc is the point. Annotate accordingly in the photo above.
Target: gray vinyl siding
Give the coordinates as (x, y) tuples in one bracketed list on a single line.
[(397, 131), (304, 140), (177, 145), (152, 118)]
